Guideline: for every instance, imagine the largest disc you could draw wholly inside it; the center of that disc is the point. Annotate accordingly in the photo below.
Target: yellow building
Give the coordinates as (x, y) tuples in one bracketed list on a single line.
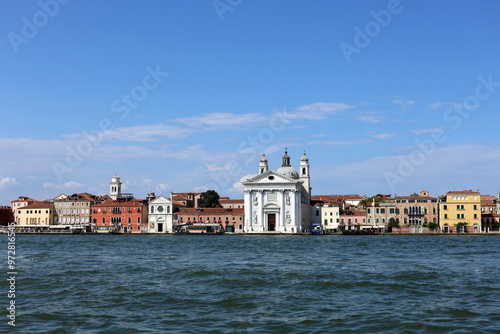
[(38, 214), (460, 212)]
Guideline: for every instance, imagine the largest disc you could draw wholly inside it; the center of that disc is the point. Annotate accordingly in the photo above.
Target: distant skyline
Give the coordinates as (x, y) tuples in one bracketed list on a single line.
[(388, 97)]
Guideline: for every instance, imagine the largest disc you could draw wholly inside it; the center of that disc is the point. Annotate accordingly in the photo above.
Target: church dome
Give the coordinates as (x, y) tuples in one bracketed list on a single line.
[(286, 169), (288, 172)]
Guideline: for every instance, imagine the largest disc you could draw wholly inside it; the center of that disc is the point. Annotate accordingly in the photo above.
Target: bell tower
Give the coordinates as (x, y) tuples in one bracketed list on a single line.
[(115, 188), (263, 166), (304, 175)]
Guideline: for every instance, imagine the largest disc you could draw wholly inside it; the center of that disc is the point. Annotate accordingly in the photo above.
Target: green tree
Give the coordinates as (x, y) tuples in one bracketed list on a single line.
[(414, 194), (432, 226), (461, 227), (209, 199), (370, 200), (393, 223)]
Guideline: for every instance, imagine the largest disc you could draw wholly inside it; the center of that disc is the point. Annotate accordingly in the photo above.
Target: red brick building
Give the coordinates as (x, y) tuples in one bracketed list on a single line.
[(6, 215), (231, 219), (119, 216)]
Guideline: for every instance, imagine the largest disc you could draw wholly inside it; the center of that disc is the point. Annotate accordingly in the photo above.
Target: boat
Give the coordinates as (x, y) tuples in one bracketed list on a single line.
[(200, 228), (370, 231), (104, 229), (316, 229)]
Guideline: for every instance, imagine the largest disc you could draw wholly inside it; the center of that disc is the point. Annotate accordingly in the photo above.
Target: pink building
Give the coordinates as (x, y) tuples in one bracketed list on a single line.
[(353, 222), (228, 203)]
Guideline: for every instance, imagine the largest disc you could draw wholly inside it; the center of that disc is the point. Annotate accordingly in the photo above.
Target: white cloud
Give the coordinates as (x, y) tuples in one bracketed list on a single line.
[(443, 105), (427, 130), (403, 102), (340, 143), (217, 121), (315, 111), (65, 185), (447, 168), (4, 182), (221, 120), (144, 133), (238, 187), (384, 136), (370, 119), (162, 187)]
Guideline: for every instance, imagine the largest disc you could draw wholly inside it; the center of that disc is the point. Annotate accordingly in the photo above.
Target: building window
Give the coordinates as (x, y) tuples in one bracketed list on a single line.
[(445, 216), (445, 207)]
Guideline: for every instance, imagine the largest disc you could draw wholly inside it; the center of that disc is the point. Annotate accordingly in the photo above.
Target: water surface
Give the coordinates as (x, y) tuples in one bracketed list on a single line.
[(256, 284)]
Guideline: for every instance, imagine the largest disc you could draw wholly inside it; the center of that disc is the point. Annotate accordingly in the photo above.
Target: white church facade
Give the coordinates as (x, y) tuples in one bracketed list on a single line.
[(278, 201), (160, 215)]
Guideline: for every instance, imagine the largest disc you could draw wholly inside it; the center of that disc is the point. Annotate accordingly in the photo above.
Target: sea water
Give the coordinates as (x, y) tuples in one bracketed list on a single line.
[(254, 284)]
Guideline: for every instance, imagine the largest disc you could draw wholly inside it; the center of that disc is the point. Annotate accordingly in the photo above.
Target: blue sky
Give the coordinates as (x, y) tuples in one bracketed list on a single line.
[(384, 96)]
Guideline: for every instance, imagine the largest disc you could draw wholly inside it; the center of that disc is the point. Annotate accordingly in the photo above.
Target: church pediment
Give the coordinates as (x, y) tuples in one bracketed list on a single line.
[(160, 200), (270, 177)]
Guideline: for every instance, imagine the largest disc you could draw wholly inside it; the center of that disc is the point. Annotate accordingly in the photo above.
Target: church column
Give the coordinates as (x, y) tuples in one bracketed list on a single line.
[(282, 214), (248, 211), (297, 208), (260, 211)]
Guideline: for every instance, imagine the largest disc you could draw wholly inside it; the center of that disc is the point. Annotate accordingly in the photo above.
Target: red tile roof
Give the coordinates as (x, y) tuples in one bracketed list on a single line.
[(228, 200), (134, 202), (211, 211), (488, 198), (38, 205), (24, 199), (414, 197), (463, 192)]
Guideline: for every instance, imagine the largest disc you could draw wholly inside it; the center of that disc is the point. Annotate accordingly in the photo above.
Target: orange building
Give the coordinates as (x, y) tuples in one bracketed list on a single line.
[(119, 216)]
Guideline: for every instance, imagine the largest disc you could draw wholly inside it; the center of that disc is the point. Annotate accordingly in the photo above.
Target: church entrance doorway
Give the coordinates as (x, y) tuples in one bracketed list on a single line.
[(271, 222)]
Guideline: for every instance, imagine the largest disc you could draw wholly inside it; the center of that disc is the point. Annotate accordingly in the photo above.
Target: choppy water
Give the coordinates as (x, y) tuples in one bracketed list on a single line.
[(255, 284)]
